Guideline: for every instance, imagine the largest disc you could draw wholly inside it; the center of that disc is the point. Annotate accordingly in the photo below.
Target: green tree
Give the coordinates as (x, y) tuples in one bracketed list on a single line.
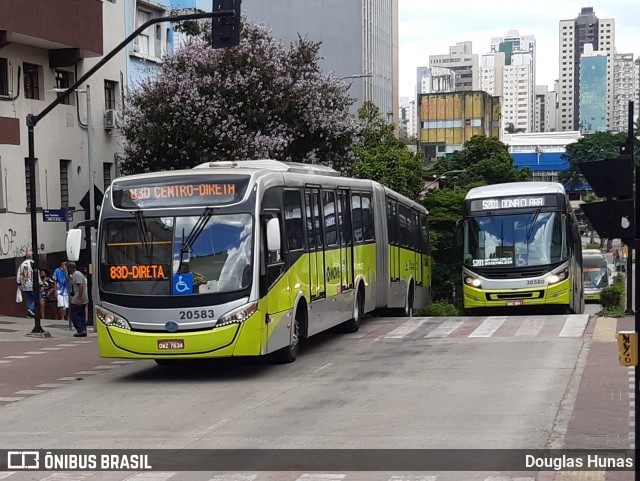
[(598, 146), (484, 161), (382, 157), (511, 129)]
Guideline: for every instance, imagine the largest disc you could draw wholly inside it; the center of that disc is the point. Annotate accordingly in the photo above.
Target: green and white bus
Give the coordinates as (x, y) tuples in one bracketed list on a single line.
[(247, 258), (521, 247)]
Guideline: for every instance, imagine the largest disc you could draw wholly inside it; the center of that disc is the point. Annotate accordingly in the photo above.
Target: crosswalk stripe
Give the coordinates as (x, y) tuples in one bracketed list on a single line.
[(159, 476), (529, 328), (488, 327), (406, 328), (413, 478), (574, 325), (321, 477), (234, 477), (508, 478), (67, 477), (6, 474), (446, 328)]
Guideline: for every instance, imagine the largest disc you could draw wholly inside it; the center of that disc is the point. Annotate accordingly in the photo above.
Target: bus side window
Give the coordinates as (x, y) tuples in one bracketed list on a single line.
[(424, 234), (356, 216), (293, 220)]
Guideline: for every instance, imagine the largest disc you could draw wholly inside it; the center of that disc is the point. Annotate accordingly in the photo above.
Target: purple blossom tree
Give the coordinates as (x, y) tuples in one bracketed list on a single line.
[(258, 100)]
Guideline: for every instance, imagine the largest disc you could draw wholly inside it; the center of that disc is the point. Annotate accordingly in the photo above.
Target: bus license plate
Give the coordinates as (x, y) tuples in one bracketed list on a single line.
[(171, 345), (515, 303)]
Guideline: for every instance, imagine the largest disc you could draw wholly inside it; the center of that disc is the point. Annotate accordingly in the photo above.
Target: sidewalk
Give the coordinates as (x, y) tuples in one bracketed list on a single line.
[(17, 328)]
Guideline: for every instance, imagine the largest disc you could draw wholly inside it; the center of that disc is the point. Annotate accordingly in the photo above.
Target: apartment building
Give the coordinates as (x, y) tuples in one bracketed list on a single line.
[(463, 62)]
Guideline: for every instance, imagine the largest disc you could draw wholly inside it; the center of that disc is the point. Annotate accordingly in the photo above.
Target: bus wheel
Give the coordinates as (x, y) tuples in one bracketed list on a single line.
[(288, 354), (353, 324)]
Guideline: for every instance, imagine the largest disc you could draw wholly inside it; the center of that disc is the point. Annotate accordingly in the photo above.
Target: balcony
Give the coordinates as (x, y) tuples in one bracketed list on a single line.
[(69, 29)]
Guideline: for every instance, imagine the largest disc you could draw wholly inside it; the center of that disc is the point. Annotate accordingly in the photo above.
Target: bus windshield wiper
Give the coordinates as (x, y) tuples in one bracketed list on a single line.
[(141, 223), (197, 229), (533, 223)]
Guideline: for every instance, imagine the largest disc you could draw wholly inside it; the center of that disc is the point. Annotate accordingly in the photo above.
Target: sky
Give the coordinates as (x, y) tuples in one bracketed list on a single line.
[(430, 27)]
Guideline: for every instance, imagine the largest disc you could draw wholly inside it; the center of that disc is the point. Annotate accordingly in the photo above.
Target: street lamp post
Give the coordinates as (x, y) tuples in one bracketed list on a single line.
[(442, 176)]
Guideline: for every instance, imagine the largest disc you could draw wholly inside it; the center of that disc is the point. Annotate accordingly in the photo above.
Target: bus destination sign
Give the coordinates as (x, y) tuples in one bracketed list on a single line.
[(136, 272), (519, 202), (183, 194)]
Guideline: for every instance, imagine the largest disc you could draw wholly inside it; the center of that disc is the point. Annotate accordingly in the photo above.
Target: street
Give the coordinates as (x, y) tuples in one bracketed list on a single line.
[(475, 382)]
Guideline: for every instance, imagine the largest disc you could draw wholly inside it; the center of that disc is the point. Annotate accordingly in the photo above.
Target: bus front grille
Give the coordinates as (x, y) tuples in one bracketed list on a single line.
[(505, 296)]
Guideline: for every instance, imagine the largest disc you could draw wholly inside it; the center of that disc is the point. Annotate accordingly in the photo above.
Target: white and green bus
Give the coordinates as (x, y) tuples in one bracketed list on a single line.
[(521, 247), (248, 258)]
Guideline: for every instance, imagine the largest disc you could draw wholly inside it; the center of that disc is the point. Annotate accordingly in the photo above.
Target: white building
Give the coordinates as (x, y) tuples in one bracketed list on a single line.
[(546, 119), (574, 35), (625, 89), (435, 79), (408, 118), (463, 62), (492, 72)]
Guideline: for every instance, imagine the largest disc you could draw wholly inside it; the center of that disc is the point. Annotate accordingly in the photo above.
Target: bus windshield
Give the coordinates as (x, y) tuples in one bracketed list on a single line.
[(595, 273), (163, 256), (515, 240)]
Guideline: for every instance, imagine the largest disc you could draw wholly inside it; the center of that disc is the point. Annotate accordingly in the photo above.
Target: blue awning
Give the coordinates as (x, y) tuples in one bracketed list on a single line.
[(541, 161)]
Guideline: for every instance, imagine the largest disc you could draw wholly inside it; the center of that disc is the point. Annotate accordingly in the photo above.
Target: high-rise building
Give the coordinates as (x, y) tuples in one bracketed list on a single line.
[(518, 78), (357, 38), (435, 79), (463, 62), (492, 72), (546, 109), (594, 86), (408, 118), (625, 87), (574, 35)]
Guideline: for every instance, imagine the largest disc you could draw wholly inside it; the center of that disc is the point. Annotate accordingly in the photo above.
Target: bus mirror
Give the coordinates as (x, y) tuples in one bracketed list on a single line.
[(74, 240), (273, 234), (458, 232)]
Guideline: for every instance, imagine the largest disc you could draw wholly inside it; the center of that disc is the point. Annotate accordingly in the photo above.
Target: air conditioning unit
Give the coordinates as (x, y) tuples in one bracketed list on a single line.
[(110, 119)]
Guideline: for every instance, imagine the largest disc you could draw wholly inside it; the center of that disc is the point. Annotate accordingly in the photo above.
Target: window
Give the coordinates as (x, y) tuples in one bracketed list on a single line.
[(63, 81), (424, 234), (356, 215), (317, 219), (310, 237), (110, 94), (367, 217), (64, 183), (293, 220), (106, 175), (31, 82), (403, 228), (4, 77), (330, 225), (151, 43)]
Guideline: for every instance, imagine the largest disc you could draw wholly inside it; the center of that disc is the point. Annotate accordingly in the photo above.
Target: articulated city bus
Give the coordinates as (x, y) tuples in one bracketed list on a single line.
[(521, 247), (247, 258)]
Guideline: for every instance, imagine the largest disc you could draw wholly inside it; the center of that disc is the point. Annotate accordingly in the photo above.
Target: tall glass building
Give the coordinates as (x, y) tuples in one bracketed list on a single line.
[(594, 98)]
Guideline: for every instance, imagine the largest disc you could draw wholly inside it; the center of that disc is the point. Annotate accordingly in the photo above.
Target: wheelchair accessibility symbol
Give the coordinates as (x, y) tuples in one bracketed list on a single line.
[(182, 284), (522, 260)]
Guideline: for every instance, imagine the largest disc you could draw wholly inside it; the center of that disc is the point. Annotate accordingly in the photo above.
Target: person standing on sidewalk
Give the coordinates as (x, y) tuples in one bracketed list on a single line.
[(61, 284), (79, 298), (24, 278)]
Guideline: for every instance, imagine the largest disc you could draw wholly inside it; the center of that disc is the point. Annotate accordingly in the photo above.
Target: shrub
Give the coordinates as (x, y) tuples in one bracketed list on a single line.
[(593, 246), (442, 308), (612, 298)]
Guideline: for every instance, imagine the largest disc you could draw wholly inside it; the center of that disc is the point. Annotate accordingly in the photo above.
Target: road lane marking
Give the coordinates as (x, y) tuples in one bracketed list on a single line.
[(30, 391), (406, 328), (488, 327), (88, 373), (82, 342), (444, 329), (67, 477), (6, 474), (67, 379), (51, 349), (509, 478), (323, 367), (234, 477), (51, 385), (413, 478), (530, 328), (105, 367), (34, 352), (16, 357), (122, 362), (321, 477), (67, 345), (11, 399), (574, 325), (159, 476), (4, 362)]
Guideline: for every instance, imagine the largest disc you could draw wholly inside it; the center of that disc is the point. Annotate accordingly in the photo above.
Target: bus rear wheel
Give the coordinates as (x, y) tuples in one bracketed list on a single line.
[(353, 324)]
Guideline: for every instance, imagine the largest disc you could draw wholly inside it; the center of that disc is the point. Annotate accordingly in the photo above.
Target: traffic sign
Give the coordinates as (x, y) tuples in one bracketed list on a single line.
[(57, 215)]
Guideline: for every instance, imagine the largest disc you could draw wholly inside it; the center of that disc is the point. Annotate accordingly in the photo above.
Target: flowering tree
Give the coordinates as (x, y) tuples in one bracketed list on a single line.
[(261, 99)]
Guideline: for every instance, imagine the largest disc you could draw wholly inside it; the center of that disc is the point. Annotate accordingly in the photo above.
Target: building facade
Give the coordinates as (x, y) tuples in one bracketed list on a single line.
[(408, 118), (546, 109), (625, 89), (39, 53), (463, 62), (435, 79), (358, 37), (594, 106), (448, 120), (587, 28)]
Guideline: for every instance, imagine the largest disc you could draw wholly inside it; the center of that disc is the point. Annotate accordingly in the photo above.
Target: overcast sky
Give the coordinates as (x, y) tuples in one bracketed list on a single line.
[(429, 27)]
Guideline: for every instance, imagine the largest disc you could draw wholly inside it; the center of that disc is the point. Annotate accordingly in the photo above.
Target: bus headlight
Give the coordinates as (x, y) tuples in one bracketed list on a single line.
[(560, 276), (237, 316), (472, 281), (108, 318)]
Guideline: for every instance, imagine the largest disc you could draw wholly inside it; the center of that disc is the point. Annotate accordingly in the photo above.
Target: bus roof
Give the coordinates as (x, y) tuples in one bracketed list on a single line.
[(515, 188)]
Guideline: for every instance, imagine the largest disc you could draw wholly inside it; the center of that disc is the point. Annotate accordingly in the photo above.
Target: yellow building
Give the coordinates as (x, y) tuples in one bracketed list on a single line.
[(448, 120)]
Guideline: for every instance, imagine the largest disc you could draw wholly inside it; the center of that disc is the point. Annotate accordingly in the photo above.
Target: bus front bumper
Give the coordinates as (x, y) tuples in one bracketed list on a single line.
[(555, 294), (115, 342)]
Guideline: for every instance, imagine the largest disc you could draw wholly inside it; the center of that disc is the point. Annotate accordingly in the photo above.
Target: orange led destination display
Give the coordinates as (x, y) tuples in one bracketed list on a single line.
[(180, 194), (142, 272)]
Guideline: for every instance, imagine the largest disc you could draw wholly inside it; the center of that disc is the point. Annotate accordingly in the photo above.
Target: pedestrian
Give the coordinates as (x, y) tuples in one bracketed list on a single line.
[(46, 288), (24, 278), (86, 307), (79, 299), (61, 289)]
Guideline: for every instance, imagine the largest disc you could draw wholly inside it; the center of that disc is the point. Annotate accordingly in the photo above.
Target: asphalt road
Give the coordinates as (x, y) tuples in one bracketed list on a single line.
[(421, 383)]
